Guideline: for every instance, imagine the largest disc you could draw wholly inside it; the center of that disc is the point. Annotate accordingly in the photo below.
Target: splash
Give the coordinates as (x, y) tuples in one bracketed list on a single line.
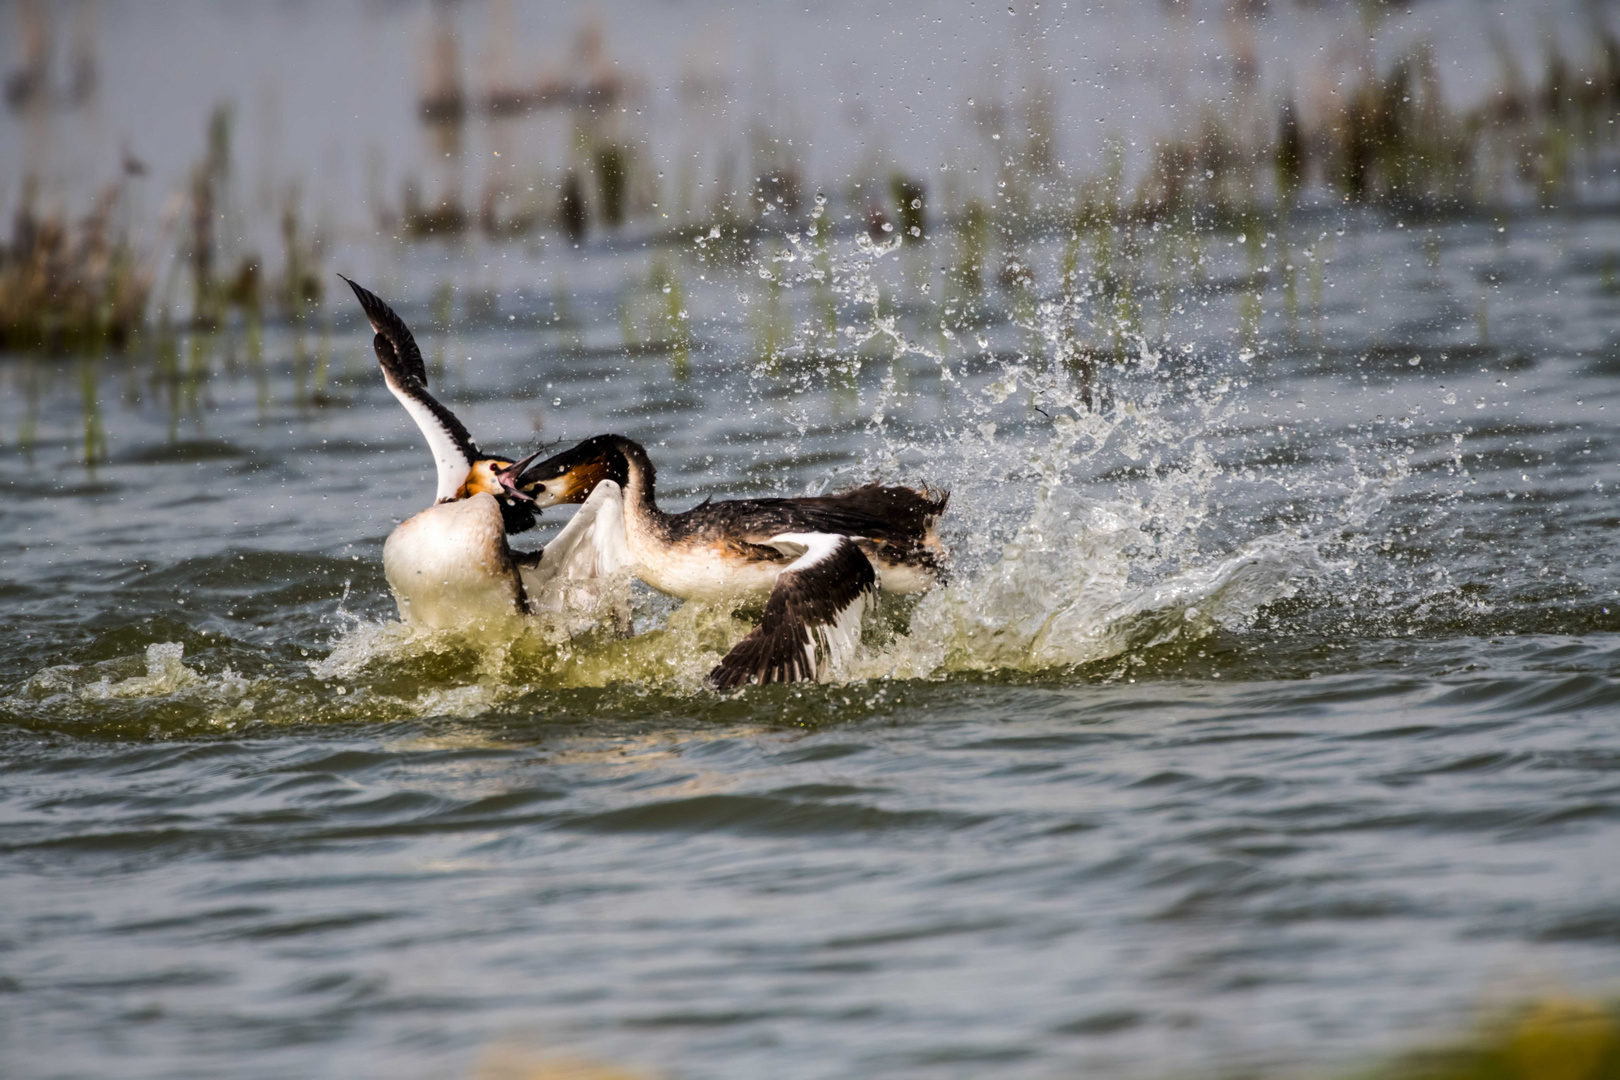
[(1099, 509), (1086, 519), (672, 650), (165, 674), (221, 701), (1061, 596)]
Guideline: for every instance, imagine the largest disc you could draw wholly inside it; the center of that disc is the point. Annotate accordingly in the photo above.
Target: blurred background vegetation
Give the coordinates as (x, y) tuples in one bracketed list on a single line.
[(489, 125)]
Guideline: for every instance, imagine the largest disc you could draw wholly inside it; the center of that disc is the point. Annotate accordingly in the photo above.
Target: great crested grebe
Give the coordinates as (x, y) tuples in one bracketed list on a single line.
[(818, 561), (450, 566)]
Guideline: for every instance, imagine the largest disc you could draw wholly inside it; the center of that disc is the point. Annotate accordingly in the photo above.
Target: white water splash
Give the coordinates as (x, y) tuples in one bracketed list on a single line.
[(165, 674), (1084, 527)]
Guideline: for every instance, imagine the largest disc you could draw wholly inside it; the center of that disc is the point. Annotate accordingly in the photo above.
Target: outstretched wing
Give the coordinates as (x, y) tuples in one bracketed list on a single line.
[(812, 621), (453, 448), (591, 546)]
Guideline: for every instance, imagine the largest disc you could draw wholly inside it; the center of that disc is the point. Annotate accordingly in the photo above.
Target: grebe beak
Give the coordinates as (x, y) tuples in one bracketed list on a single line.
[(508, 478)]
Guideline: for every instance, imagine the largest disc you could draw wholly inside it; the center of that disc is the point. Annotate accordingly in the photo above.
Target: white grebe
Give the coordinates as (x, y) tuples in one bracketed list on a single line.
[(818, 562), (450, 566)]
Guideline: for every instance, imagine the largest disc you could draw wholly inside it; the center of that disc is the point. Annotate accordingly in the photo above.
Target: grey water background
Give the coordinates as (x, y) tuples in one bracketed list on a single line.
[(1326, 761)]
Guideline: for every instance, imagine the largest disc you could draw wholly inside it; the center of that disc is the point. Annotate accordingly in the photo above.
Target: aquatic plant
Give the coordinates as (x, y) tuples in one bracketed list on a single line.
[(778, 183), (443, 99), (64, 287), (571, 215), (910, 197), (302, 284), (612, 165), (503, 217), (653, 316), (971, 251), (209, 190), (420, 221)]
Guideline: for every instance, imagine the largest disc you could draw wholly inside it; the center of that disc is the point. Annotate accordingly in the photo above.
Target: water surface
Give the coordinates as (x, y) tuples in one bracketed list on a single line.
[(1270, 716)]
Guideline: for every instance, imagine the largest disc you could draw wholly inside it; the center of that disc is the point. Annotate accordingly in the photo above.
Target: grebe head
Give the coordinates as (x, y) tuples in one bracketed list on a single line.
[(571, 476), (498, 477), (485, 478)]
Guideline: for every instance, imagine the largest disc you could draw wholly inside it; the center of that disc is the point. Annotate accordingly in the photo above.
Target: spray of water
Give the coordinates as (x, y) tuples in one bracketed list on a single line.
[(1088, 509)]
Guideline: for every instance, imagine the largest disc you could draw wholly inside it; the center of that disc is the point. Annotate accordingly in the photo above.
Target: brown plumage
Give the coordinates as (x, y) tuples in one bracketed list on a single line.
[(893, 525), (817, 562)]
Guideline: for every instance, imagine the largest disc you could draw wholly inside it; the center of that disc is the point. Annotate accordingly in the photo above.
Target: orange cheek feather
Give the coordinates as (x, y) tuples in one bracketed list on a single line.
[(481, 479), (576, 485)]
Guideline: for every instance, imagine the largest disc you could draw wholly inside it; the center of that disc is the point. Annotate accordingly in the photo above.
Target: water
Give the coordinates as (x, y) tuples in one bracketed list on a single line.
[(1269, 717), (1268, 722)]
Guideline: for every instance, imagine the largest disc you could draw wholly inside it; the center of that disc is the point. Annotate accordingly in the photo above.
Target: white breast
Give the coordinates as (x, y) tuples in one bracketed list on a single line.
[(699, 571), (450, 568)]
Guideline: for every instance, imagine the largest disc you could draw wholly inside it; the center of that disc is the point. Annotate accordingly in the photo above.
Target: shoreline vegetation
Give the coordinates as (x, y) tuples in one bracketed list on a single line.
[(1262, 163)]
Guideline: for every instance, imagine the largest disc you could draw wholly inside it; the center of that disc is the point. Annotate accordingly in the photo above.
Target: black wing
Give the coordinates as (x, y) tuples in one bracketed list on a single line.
[(452, 445), (405, 362), (812, 620), (895, 515)]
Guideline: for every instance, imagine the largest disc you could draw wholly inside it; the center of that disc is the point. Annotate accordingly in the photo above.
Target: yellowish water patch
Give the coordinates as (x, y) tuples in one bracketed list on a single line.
[(516, 1063), (1555, 1038), (676, 656)]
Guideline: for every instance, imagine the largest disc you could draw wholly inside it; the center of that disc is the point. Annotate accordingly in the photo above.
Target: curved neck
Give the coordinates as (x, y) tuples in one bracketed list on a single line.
[(641, 478)]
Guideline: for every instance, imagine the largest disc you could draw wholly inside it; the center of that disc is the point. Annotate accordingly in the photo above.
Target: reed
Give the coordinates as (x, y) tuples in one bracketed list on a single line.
[(823, 340), (421, 221), (67, 287), (303, 284), (910, 197), (1395, 142), (612, 166), (972, 250), (1255, 166), (653, 317), (572, 219)]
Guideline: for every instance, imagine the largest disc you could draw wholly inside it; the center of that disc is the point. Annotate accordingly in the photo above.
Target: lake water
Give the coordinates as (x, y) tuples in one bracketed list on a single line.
[(1271, 717)]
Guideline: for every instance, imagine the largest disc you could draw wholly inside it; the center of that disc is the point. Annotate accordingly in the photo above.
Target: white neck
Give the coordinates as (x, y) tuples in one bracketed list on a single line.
[(452, 464)]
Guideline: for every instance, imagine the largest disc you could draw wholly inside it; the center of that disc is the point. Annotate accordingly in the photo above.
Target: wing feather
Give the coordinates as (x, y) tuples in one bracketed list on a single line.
[(812, 621), (590, 547), (399, 357)]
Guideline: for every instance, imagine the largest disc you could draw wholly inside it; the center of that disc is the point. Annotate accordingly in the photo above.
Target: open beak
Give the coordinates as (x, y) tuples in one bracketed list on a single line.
[(542, 493), (568, 477), (508, 478)]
